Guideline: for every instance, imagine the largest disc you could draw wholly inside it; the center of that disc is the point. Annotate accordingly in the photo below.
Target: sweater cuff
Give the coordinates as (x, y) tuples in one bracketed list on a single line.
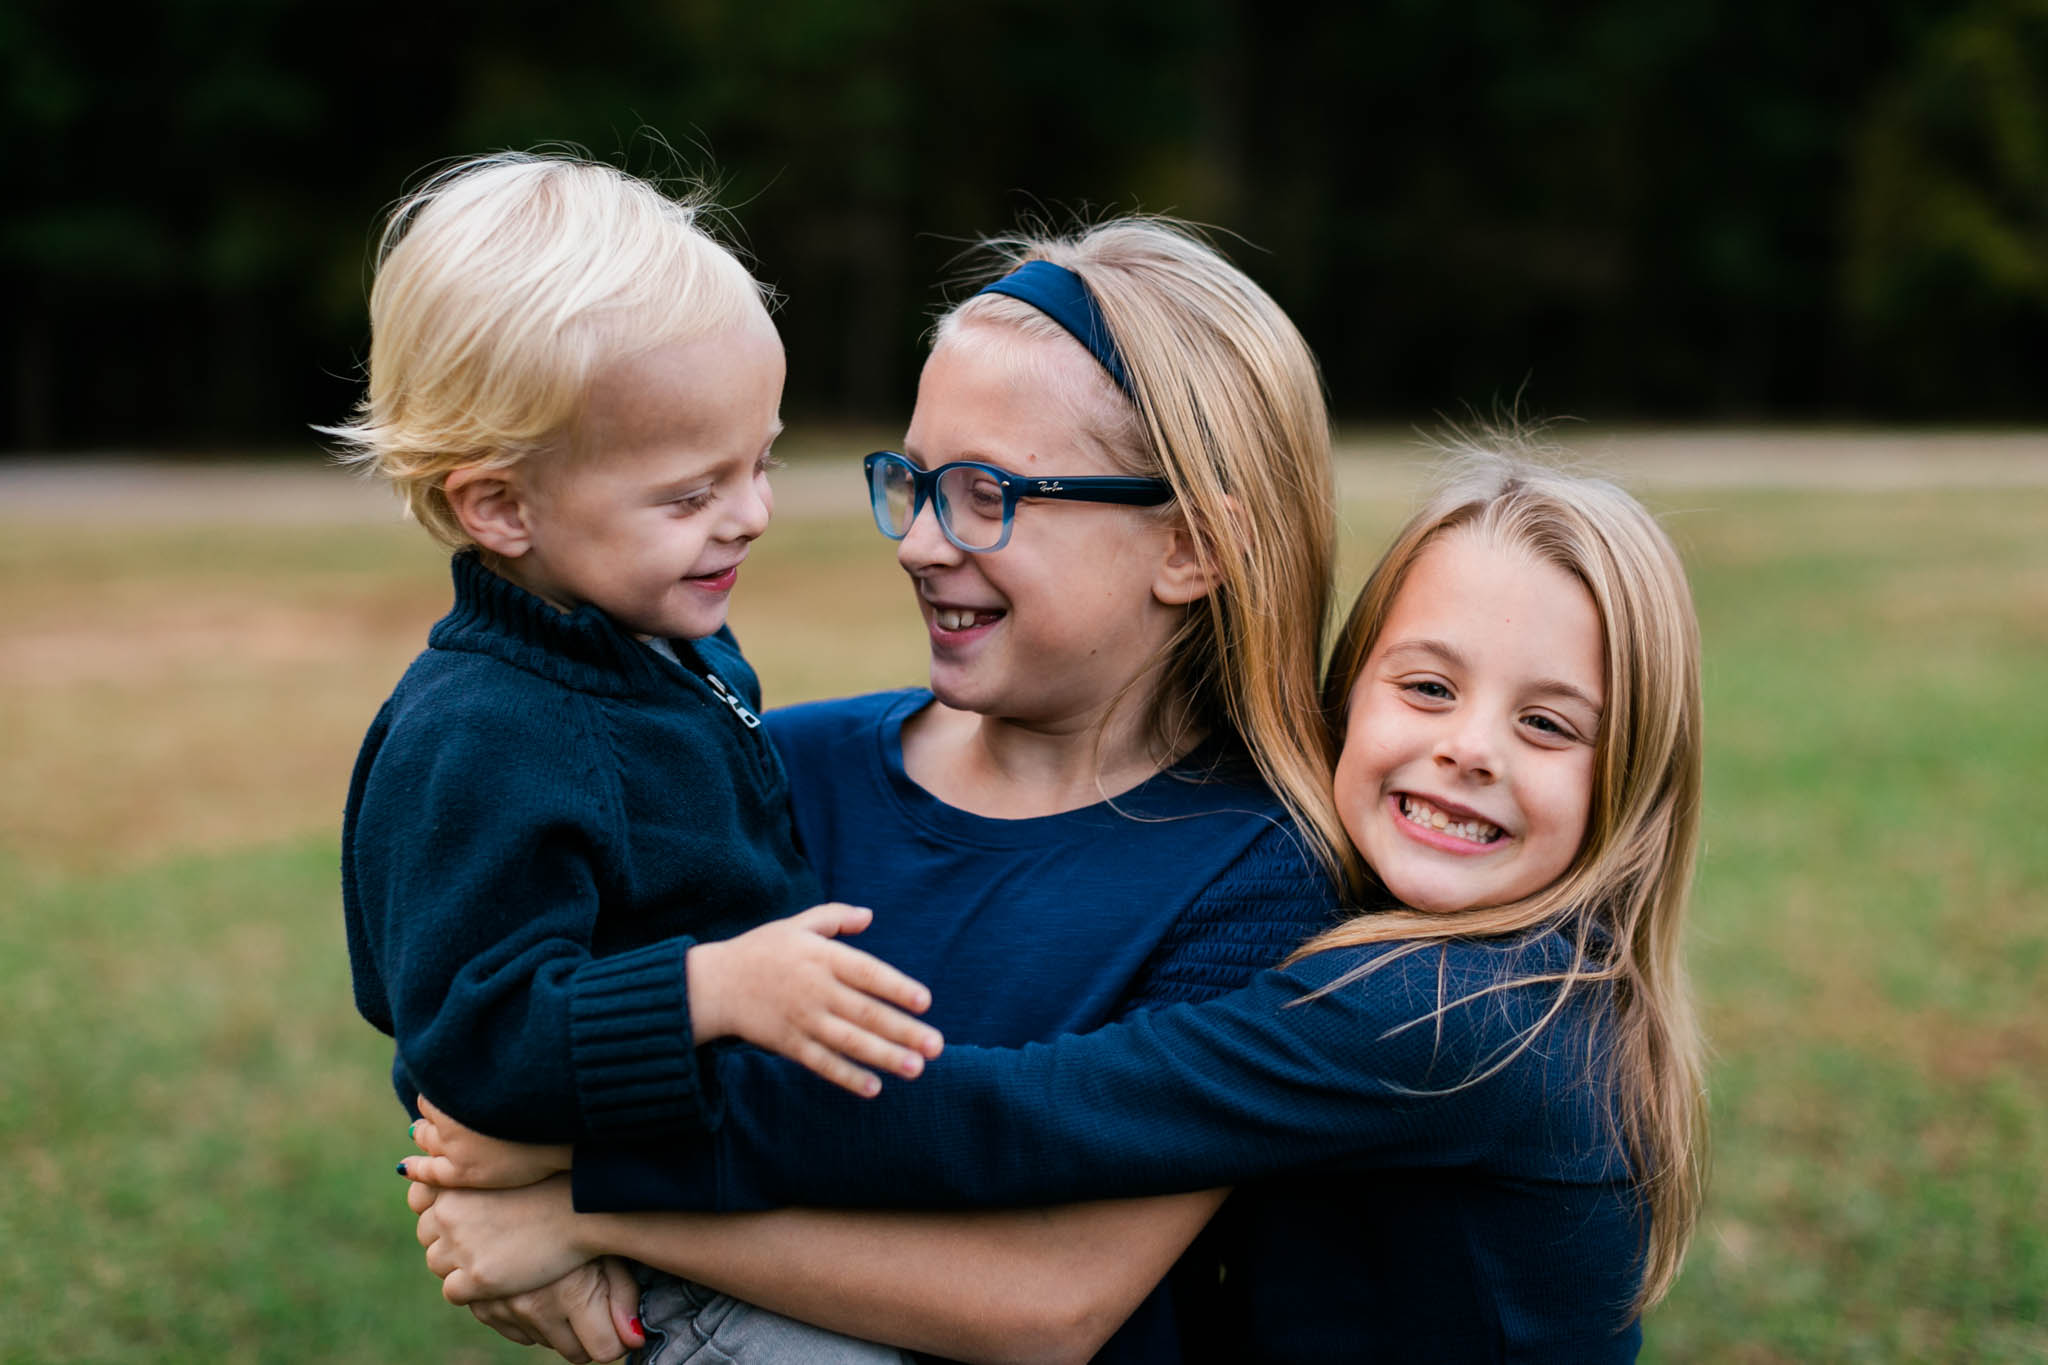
[(630, 1044)]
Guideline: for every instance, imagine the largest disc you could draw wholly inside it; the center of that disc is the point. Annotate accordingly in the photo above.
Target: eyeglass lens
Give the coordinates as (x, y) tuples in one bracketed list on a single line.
[(969, 503), (894, 493), (971, 506)]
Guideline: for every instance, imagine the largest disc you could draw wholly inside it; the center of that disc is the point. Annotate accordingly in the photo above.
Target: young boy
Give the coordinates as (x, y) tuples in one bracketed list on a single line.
[(566, 832)]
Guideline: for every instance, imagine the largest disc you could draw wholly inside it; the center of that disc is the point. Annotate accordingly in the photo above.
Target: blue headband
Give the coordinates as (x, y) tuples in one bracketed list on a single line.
[(1061, 295)]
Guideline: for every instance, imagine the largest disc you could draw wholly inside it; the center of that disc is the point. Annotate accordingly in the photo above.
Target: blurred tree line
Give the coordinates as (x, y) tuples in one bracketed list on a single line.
[(1679, 209)]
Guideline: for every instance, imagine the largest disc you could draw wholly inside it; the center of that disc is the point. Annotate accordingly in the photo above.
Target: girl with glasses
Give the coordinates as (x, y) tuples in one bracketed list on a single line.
[(1114, 510)]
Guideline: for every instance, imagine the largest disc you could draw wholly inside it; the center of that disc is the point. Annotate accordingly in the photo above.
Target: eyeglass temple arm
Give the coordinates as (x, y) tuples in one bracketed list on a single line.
[(1128, 491)]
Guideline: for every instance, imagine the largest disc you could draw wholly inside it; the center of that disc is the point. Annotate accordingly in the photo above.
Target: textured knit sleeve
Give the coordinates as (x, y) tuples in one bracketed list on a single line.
[(1267, 903), (1188, 1097), (472, 872)]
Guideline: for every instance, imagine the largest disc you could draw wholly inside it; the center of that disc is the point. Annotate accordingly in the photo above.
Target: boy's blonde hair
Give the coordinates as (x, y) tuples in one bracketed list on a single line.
[(1226, 405), (504, 284), (1623, 898)]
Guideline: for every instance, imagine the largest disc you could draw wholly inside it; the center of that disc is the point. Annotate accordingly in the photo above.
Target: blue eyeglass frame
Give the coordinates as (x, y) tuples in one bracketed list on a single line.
[(1125, 490)]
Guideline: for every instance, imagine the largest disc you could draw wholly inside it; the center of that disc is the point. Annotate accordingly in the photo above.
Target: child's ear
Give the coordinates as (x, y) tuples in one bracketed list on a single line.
[(1188, 572), (491, 505)]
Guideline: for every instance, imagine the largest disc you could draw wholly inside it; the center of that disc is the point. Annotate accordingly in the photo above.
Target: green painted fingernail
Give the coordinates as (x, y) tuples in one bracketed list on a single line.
[(413, 1129)]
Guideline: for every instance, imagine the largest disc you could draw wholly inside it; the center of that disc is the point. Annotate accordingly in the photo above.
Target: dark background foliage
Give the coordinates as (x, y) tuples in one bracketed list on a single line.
[(1674, 210)]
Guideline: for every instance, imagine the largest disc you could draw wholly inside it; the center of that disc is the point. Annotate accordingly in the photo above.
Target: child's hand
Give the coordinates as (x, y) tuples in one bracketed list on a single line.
[(495, 1244), (589, 1314), (787, 986), (462, 1158)]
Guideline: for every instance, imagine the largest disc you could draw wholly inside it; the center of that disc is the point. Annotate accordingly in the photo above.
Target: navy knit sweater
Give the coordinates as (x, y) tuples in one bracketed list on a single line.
[(542, 818), (1420, 1190)]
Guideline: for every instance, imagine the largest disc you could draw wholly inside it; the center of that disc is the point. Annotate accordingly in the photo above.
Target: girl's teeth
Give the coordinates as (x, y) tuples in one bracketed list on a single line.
[(1428, 816)]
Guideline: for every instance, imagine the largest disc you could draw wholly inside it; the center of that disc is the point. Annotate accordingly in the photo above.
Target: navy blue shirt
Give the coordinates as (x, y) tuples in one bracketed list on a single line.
[(1177, 890), (542, 815), (1429, 1188)]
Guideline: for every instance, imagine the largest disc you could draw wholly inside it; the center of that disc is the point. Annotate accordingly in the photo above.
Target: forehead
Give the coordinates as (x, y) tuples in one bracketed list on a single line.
[(1501, 606), (991, 392), (705, 392)]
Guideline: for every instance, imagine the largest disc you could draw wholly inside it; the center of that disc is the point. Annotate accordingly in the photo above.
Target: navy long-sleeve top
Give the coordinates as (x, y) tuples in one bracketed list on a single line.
[(1427, 1188), (543, 817), (1180, 889)]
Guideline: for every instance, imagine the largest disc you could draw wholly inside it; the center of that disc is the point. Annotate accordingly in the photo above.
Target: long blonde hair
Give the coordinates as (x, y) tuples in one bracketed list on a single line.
[(1226, 405), (1622, 900), (504, 283)]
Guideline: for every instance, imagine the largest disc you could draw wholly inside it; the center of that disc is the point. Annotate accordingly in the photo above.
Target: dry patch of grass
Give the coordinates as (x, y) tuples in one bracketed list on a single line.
[(185, 691), (204, 689)]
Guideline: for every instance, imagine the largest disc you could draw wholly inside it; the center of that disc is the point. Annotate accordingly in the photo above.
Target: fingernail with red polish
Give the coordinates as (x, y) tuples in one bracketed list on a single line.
[(638, 1330)]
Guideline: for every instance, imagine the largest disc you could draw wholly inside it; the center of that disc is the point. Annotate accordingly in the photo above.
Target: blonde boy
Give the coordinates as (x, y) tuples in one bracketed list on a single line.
[(566, 830)]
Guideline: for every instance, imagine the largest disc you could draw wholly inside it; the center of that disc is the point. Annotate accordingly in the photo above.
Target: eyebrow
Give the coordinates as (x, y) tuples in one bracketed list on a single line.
[(1558, 687), (1007, 461), (1442, 649), (1452, 655), (969, 456)]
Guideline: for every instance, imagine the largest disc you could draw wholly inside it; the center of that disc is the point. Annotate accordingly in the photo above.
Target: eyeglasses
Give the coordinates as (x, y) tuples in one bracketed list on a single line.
[(977, 502)]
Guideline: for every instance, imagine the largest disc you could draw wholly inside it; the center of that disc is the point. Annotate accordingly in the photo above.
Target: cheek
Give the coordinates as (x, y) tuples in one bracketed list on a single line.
[(1375, 735), (1568, 803), (1095, 560), (1357, 786), (1040, 582)]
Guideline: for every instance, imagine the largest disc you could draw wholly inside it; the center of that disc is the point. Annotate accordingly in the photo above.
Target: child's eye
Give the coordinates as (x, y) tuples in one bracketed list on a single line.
[(1549, 727), (769, 460), (986, 497), (1428, 688), (694, 502)]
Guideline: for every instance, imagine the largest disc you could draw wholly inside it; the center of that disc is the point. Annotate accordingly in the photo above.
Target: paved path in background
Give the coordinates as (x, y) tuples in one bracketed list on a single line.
[(143, 489)]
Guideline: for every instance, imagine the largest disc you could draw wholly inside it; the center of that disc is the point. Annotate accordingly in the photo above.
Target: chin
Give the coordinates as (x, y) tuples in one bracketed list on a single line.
[(1434, 898), (984, 691), (950, 692), (1437, 904)]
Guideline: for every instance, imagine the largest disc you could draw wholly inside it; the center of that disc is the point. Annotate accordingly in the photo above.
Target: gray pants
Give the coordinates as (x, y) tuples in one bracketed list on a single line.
[(685, 1322)]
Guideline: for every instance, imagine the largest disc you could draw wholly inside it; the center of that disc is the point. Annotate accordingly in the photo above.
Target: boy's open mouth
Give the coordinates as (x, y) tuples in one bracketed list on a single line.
[(1421, 812)]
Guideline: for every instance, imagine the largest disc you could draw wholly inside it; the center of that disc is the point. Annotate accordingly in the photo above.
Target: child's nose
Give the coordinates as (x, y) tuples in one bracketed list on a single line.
[(1469, 751), (749, 513), (924, 545)]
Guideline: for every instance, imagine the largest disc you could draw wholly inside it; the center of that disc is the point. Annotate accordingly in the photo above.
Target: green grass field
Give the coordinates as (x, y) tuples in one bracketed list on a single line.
[(196, 1127)]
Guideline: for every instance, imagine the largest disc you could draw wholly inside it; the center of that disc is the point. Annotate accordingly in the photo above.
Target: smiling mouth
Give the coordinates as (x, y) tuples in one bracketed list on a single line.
[(961, 618), (1473, 831)]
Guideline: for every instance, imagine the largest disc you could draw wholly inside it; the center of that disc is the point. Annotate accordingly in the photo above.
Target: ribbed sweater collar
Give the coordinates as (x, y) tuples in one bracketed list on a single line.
[(582, 649)]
